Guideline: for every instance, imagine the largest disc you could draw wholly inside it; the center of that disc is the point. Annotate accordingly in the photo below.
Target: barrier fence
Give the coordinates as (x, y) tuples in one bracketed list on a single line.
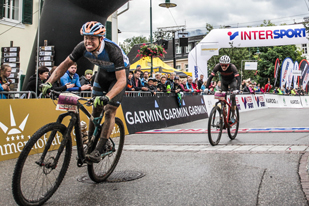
[(20, 118)]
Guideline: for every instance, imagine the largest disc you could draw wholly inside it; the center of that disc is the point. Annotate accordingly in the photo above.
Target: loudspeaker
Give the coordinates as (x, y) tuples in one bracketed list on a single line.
[(183, 41), (163, 43)]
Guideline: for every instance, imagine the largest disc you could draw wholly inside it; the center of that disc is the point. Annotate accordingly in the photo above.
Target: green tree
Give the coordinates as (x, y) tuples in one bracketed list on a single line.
[(267, 58), (130, 42)]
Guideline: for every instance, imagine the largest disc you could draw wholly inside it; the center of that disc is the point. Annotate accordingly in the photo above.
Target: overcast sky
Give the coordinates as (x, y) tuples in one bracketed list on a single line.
[(196, 13)]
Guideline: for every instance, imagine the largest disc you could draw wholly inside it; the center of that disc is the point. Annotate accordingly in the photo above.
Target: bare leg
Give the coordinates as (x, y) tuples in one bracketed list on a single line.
[(109, 123), (96, 111)]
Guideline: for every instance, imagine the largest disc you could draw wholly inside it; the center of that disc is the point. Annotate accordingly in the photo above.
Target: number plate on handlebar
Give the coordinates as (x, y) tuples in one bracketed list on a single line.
[(67, 102), (220, 95)]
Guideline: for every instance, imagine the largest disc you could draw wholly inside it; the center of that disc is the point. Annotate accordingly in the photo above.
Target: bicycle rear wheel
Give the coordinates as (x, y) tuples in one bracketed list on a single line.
[(35, 179), (215, 124), (233, 129), (99, 172)]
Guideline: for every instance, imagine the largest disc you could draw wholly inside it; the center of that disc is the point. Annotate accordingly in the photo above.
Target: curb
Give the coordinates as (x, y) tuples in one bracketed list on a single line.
[(303, 174)]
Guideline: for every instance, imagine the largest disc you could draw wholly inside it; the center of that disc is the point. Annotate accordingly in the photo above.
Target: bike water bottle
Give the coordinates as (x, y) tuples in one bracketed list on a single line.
[(83, 129)]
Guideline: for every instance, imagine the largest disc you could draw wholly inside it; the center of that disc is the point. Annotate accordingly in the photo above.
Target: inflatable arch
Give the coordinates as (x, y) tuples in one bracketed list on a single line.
[(242, 37)]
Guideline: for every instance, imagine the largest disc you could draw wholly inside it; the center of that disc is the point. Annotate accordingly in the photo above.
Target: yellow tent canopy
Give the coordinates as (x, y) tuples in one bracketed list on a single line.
[(158, 66)]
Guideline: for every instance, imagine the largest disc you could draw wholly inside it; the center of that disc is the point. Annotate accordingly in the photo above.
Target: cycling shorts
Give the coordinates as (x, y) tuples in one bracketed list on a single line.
[(104, 82)]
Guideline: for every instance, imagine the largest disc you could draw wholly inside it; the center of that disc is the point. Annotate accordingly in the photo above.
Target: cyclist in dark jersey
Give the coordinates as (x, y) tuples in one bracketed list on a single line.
[(229, 77), (111, 77)]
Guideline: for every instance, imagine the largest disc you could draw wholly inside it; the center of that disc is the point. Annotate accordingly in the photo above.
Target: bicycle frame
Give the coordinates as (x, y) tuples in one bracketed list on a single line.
[(74, 122), (226, 117)]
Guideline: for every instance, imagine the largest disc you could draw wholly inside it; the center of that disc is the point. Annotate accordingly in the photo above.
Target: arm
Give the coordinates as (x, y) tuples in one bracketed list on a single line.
[(120, 84), (60, 71)]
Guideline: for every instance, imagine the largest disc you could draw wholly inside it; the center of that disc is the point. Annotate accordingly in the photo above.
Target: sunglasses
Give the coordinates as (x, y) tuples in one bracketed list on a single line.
[(224, 65)]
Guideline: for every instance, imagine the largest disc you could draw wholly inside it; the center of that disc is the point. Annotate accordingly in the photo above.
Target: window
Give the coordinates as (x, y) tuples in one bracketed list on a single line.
[(188, 48), (178, 67), (186, 67), (178, 49), (16, 11), (304, 48)]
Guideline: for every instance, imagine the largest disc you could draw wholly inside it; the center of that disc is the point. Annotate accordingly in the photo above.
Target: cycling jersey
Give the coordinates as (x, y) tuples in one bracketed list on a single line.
[(110, 58), (227, 76)]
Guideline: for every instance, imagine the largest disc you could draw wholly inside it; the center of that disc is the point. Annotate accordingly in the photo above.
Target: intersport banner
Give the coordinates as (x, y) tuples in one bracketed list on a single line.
[(286, 69), (303, 67), (145, 113)]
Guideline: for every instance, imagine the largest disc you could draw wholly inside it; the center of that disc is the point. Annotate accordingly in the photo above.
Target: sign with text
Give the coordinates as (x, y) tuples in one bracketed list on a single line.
[(250, 65)]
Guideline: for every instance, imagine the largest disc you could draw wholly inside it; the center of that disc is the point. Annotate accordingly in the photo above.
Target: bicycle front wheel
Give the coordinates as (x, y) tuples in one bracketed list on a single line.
[(99, 172), (36, 176), (215, 126), (233, 129)]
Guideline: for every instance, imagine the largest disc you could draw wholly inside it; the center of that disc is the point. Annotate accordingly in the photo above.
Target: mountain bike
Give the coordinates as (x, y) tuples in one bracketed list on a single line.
[(44, 160), (219, 119)]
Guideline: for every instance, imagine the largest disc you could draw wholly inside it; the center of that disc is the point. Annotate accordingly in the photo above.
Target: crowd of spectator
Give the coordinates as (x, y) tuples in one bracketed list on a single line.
[(138, 81), (70, 81)]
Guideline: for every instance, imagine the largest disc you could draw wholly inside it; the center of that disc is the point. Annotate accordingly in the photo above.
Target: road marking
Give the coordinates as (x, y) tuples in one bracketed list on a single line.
[(240, 130), (219, 148)]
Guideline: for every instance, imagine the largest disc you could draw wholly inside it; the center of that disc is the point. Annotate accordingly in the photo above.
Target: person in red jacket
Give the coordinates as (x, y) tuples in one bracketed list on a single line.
[(267, 87)]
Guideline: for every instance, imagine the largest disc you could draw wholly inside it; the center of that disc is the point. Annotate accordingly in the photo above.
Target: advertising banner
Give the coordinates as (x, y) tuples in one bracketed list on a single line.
[(289, 101), (272, 100), (304, 101), (154, 112), (18, 123), (210, 102), (296, 73), (259, 101), (276, 70), (286, 69), (303, 67), (247, 102)]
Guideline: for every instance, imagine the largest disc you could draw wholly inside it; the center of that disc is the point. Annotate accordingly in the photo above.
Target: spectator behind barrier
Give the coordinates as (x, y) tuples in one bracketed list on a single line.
[(162, 86), (86, 79), (200, 82), (71, 77), (262, 89), (139, 68), (137, 85), (57, 86), (246, 88), (192, 87), (130, 82), (158, 76), (5, 72), (34, 83), (145, 79), (267, 87), (177, 86), (151, 85), (170, 80), (184, 85)]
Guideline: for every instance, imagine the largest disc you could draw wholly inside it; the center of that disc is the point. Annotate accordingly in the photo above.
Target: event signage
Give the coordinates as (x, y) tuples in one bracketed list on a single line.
[(286, 69), (250, 65), (10, 56), (246, 37), (161, 112)]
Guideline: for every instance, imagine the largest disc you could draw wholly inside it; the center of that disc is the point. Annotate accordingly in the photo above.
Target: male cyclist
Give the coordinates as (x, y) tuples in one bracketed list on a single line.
[(111, 78), (229, 75)]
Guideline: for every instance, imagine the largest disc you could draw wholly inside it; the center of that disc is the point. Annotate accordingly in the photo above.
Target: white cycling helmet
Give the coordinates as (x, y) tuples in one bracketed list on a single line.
[(224, 59)]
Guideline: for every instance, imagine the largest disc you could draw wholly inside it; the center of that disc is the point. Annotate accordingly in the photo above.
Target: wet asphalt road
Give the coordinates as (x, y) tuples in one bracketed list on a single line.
[(194, 177)]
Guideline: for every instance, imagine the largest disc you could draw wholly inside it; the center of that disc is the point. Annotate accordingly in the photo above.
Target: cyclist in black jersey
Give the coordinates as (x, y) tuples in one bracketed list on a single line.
[(111, 77), (229, 77)]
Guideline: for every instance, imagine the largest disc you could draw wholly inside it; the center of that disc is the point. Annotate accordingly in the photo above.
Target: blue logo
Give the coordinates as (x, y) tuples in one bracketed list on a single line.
[(156, 104), (233, 36)]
